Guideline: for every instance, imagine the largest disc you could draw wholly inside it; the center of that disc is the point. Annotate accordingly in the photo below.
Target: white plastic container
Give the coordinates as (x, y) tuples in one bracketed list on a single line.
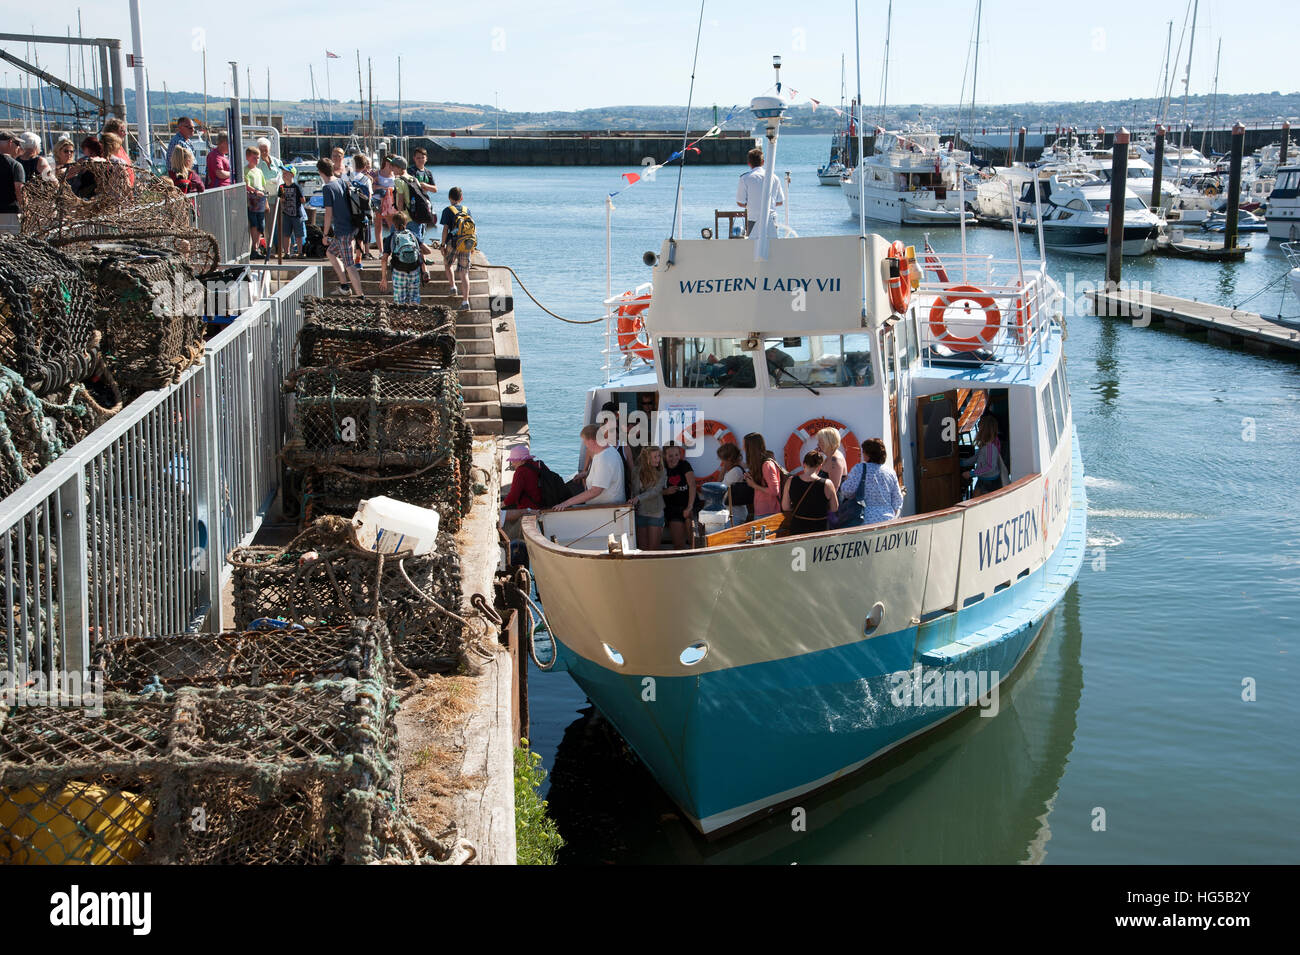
[(714, 521), (388, 526)]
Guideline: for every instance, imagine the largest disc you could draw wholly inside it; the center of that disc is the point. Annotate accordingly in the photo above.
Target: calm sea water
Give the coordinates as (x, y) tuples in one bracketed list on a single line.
[(1132, 704)]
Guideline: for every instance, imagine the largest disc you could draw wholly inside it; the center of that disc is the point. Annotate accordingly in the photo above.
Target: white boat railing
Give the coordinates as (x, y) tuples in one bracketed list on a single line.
[(224, 214), (126, 533), (1001, 314)]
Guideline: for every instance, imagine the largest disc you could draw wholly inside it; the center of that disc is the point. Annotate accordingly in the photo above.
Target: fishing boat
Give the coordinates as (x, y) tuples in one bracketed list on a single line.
[(910, 180), (753, 668)]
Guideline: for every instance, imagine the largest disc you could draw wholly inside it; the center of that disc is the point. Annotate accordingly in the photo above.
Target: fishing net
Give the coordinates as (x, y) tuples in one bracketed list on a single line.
[(323, 578), (372, 333), (300, 774), (279, 654), (28, 440), (374, 420), (96, 199), (47, 315), (153, 312), (76, 410)]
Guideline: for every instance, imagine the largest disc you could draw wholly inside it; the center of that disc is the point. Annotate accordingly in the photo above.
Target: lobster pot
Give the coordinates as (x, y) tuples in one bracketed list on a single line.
[(152, 313), (441, 487), (277, 774), (360, 419), (330, 583), (276, 653), (376, 333), (78, 409), (47, 316), (94, 200), (28, 440)]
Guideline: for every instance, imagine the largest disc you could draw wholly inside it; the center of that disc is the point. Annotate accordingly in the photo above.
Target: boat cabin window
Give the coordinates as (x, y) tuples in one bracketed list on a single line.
[(1050, 418), (1058, 401), (819, 361), (1131, 203), (706, 363), (1078, 205), (908, 347)]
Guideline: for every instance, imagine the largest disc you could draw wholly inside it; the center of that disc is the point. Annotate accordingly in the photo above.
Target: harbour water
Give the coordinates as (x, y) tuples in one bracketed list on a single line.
[(1155, 721)]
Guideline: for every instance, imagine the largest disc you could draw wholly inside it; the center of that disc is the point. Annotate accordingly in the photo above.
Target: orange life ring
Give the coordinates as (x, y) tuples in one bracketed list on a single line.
[(631, 327), (710, 429), (807, 431), (968, 293), (900, 285)]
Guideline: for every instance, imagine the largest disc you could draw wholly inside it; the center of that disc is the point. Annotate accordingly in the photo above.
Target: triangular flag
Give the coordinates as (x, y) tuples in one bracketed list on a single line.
[(631, 177), (692, 149), (815, 104)]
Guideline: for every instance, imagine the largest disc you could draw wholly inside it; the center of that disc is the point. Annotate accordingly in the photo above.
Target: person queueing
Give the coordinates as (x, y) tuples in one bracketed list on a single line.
[(182, 173), (809, 498), (762, 476), (648, 482), (733, 476), (293, 213), (679, 495), (459, 239), (338, 219), (988, 468), (836, 466), (870, 493)]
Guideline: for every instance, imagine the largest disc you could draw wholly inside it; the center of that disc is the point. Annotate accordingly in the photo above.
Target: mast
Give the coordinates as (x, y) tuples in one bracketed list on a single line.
[(1214, 99), (1187, 83), (884, 75), (861, 172), (979, 16), (1164, 78), (205, 90), (311, 73)]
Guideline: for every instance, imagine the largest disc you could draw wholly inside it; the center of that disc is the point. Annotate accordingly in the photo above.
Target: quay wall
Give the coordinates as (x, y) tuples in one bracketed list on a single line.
[(576, 148)]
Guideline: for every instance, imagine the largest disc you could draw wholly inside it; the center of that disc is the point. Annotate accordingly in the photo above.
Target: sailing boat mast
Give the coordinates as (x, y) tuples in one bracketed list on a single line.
[(1187, 83), (1214, 99), (979, 16), (884, 76)]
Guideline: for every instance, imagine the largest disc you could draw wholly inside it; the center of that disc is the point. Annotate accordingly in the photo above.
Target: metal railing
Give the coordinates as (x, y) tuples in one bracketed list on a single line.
[(1005, 313), (223, 213), (126, 533)]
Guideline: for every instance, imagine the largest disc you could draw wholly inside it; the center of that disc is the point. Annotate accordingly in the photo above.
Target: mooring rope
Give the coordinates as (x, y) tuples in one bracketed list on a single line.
[(570, 321)]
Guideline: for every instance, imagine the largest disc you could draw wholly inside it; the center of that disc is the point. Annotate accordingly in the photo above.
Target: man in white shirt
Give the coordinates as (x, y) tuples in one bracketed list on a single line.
[(604, 480), (749, 194)]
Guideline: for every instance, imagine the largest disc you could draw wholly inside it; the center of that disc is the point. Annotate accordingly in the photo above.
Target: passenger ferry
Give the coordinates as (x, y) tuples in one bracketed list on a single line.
[(751, 669)]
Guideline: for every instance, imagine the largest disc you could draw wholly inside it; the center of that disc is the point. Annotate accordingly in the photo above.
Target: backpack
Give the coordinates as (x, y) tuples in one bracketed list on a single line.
[(405, 251), (552, 485), (417, 203), (463, 229), (358, 203), (315, 245)]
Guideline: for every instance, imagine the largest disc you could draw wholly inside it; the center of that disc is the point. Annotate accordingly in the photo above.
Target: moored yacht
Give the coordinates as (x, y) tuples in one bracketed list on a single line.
[(910, 180), (1283, 210), (754, 667)]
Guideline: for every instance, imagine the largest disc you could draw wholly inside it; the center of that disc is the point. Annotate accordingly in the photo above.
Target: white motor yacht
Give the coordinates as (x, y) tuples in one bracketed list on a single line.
[(911, 180)]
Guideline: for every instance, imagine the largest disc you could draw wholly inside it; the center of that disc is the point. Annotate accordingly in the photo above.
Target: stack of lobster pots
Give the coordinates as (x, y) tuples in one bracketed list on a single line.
[(377, 409)]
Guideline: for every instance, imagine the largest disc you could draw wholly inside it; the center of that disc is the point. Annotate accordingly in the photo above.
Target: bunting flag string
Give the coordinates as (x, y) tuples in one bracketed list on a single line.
[(632, 178)]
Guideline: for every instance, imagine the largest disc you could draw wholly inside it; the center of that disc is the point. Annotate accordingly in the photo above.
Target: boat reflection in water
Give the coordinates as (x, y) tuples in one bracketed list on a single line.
[(974, 790)]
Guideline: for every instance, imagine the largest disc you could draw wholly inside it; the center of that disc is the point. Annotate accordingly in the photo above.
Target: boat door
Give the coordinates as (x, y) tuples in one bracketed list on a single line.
[(938, 466), (889, 358)]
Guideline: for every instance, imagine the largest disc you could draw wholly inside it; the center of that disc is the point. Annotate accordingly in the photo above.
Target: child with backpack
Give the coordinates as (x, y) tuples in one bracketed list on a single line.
[(406, 256), (459, 239), (293, 213)]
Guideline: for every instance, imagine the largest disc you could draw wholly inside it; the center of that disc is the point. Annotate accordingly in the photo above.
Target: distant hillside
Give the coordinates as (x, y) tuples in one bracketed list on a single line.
[(1247, 108)]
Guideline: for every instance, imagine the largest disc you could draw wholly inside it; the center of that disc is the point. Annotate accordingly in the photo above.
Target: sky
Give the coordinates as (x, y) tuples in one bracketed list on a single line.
[(575, 54)]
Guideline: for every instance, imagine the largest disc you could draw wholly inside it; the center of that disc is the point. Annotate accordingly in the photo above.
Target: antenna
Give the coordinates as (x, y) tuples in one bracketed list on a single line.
[(686, 130), (861, 173)]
